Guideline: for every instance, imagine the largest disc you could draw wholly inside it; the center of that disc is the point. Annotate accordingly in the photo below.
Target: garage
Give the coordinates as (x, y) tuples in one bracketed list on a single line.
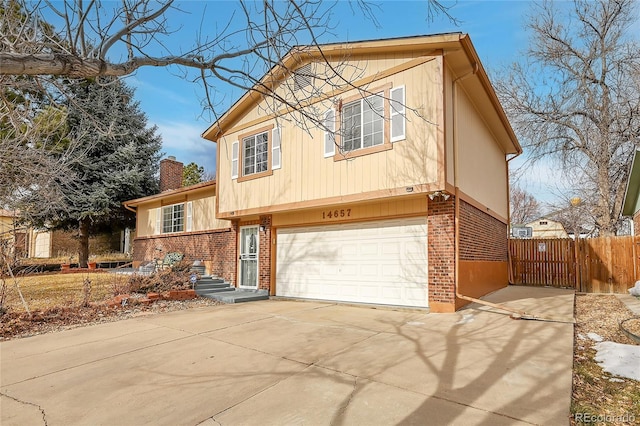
[(380, 262)]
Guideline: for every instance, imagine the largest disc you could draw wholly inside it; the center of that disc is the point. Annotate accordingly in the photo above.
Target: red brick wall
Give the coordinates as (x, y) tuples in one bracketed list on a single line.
[(441, 251), (264, 257), (170, 174), (216, 248), (636, 223), (482, 237)]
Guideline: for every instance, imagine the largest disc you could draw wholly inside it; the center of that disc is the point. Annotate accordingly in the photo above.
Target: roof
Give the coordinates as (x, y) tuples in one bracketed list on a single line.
[(459, 52), (170, 193), (631, 202)]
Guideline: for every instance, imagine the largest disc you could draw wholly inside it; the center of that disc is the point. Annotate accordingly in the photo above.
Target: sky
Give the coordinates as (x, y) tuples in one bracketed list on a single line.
[(173, 104)]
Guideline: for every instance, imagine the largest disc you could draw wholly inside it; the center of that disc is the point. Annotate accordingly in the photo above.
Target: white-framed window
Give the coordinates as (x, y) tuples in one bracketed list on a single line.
[(173, 218), (255, 154), (362, 123)]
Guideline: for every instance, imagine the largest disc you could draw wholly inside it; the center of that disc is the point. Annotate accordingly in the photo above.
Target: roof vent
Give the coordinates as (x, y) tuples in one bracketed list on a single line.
[(302, 77)]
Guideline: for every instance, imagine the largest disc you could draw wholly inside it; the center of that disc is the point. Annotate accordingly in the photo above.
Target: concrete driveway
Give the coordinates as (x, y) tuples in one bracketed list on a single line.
[(286, 362)]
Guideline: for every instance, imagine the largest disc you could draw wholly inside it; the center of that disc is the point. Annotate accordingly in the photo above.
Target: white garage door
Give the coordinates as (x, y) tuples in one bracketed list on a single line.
[(382, 262)]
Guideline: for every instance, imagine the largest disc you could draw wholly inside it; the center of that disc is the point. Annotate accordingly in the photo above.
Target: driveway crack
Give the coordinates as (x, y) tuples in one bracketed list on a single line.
[(344, 407), (44, 415)]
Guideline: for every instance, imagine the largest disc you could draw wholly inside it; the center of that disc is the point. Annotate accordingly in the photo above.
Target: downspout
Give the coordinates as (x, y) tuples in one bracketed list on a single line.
[(515, 313), (128, 207)]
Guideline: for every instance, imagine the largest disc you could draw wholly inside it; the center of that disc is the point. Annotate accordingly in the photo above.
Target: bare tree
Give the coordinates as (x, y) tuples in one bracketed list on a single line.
[(524, 206), (578, 97)]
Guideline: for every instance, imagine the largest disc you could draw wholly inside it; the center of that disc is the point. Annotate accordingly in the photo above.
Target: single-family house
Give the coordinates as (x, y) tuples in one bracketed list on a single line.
[(398, 195), (546, 228), (631, 206)]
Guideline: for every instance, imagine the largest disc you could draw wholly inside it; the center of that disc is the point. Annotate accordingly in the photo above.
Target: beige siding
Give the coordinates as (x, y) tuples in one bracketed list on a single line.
[(482, 166), (354, 212), (307, 177), (203, 213)]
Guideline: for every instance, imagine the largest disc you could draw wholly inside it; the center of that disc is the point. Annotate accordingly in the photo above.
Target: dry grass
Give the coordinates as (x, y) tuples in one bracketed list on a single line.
[(594, 392), (51, 290), (107, 257)]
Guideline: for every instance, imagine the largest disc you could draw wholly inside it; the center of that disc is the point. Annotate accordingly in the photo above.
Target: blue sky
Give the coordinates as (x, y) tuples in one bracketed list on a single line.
[(496, 28)]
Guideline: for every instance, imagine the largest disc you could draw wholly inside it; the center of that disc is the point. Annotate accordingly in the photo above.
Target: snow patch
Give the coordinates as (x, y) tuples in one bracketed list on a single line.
[(415, 323), (635, 290), (619, 359), (595, 337)]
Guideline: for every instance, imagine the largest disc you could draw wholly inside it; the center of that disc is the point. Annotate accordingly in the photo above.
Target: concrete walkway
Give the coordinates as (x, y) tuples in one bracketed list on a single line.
[(286, 362)]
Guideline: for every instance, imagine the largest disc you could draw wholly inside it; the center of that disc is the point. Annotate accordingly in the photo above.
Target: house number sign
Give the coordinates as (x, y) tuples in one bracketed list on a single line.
[(336, 214)]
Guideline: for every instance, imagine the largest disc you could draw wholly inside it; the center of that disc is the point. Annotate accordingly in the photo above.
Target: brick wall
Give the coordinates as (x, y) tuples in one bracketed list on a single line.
[(170, 174), (216, 248), (636, 223), (482, 237), (264, 261), (441, 251)]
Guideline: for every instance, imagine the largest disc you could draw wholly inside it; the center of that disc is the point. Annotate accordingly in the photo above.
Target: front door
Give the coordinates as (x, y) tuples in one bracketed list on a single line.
[(249, 242)]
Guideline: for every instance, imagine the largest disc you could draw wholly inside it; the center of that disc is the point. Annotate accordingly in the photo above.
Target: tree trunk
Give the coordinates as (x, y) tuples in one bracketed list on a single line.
[(83, 243)]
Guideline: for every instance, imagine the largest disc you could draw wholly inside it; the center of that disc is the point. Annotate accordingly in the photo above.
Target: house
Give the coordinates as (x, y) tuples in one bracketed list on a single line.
[(631, 205), (20, 240), (183, 219), (546, 228), (397, 195)]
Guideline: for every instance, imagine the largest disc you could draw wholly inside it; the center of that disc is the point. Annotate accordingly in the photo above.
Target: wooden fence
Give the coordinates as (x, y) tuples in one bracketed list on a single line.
[(593, 265)]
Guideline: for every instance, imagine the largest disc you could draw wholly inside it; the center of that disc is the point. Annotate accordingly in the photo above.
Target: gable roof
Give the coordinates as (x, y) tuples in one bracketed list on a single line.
[(457, 48), (631, 202)]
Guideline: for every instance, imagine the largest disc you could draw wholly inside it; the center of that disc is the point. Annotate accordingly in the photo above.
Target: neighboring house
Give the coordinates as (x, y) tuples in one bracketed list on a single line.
[(546, 228), (400, 198), (631, 206), (183, 219), (21, 240)]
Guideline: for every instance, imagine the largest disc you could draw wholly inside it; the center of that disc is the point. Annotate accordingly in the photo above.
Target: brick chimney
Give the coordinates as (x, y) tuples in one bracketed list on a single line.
[(170, 174)]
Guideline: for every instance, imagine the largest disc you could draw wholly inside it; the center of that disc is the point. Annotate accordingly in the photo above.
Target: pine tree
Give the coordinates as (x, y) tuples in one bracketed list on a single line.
[(121, 159)]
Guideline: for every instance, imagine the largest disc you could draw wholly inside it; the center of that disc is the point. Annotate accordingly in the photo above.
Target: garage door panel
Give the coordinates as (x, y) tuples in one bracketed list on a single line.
[(382, 262)]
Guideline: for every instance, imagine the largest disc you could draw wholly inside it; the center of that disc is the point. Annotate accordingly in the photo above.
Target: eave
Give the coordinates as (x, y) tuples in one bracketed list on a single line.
[(170, 193)]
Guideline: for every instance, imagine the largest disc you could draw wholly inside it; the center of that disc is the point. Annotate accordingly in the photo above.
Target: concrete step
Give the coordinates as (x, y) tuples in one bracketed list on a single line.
[(200, 285), (240, 295), (210, 280), (209, 291)]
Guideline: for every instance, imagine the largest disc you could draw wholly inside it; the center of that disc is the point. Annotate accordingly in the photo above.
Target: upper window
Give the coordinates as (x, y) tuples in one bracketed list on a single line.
[(366, 125), (256, 154), (363, 123), (173, 218)]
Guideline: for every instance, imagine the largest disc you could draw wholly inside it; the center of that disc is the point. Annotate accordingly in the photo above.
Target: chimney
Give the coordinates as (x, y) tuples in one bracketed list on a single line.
[(170, 174)]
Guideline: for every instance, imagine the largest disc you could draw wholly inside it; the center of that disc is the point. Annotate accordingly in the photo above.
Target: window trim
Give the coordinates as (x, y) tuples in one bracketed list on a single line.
[(268, 130), (385, 145)]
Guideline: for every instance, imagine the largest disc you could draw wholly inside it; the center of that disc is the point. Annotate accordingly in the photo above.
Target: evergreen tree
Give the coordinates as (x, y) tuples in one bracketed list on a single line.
[(120, 159), (192, 174)]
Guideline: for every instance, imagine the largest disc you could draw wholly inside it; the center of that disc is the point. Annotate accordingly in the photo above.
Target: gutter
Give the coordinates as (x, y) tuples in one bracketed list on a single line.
[(128, 207)]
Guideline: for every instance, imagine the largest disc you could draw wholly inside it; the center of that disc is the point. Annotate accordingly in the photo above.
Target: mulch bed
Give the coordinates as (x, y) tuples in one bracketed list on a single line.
[(21, 324)]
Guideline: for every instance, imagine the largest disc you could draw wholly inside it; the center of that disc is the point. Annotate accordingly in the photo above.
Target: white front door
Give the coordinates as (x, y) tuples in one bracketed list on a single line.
[(249, 247)]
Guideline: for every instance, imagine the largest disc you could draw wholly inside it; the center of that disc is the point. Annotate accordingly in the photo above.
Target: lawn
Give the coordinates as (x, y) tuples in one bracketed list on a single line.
[(42, 291)]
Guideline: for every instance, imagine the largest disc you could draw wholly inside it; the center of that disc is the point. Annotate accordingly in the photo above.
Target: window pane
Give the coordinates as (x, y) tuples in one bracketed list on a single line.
[(351, 137), (248, 159), (373, 120)]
